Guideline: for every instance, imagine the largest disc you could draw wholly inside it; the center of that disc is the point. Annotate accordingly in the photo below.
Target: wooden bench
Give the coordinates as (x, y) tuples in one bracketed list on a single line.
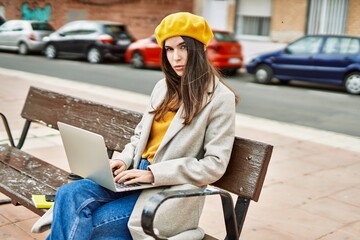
[(22, 175)]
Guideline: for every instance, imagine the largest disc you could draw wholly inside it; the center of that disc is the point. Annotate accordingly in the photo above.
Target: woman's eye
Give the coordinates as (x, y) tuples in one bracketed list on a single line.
[(183, 47)]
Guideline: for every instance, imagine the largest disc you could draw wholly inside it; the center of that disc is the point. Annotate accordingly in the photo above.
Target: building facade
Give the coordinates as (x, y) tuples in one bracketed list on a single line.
[(141, 16), (270, 20), (286, 20)]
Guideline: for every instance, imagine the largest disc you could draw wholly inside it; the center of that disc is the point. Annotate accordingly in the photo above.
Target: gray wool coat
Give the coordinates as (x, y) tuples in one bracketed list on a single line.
[(188, 157)]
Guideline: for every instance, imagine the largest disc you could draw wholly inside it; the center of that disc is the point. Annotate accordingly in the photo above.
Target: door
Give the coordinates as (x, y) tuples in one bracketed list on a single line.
[(297, 59), (337, 54), (63, 39)]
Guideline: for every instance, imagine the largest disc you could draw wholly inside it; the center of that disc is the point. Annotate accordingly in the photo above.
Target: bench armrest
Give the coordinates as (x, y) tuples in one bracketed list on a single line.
[(149, 211)]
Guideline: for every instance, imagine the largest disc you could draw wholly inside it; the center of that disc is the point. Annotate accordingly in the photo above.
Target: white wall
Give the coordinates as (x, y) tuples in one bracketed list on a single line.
[(216, 13)]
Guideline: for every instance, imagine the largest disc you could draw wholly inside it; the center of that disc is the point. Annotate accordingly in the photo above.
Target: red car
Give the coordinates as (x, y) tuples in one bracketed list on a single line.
[(224, 51)]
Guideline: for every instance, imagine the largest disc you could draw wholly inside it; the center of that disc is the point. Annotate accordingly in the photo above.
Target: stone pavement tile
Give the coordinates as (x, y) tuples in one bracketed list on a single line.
[(350, 196), (26, 226), (348, 232), (13, 232), (297, 223), (256, 230), (319, 184), (16, 213), (4, 220), (262, 136), (292, 168), (334, 157), (334, 210), (212, 220), (278, 197)]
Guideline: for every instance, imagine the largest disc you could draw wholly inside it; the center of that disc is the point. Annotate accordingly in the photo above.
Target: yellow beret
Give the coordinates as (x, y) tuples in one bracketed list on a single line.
[(183, 24)]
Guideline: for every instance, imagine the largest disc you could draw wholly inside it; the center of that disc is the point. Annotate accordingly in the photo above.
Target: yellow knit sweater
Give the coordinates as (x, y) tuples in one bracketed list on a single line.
[(157, 133)]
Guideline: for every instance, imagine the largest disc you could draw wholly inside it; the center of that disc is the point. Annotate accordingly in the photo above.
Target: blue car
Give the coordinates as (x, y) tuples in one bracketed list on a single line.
[(329, 59)]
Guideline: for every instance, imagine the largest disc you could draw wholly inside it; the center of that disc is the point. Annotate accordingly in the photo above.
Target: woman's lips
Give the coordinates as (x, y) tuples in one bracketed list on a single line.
[(179, 67)]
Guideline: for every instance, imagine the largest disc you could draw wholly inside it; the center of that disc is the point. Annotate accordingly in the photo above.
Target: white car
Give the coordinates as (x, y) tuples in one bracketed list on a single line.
[(24, 36)]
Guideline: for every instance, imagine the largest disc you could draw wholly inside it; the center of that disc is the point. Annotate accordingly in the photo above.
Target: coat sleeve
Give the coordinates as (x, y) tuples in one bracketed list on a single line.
[(215, 141)]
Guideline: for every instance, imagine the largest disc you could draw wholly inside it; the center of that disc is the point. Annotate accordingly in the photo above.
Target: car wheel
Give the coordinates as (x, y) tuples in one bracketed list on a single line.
[(352, 83), (263, 74), (23, 49), (50, 51), (137, 60), (94, 55)]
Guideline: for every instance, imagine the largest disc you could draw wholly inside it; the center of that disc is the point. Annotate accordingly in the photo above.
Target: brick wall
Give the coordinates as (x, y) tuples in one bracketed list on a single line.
[(141, 16), (288, 20), (353, 20)]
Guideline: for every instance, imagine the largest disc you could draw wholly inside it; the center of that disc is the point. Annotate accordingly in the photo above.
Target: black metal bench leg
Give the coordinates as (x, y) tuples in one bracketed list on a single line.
[(229, 217), (241, 208)]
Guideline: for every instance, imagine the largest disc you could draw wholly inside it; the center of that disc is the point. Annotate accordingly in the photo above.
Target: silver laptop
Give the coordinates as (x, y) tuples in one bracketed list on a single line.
[(87, 156)]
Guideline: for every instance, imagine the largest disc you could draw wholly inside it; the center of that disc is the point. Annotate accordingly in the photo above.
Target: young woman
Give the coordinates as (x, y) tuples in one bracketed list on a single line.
[(183, 141)]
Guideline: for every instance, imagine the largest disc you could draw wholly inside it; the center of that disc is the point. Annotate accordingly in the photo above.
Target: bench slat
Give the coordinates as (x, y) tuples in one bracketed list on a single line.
[(22, 175), (19, 187), (33, 167), (116, 125)]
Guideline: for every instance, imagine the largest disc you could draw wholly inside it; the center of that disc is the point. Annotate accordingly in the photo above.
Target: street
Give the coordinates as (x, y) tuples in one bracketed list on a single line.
[(322, 107)]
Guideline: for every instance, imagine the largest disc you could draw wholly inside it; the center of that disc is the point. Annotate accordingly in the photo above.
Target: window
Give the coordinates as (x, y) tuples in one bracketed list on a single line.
[(256, 25), (70, 29), (42, 26), (307, 45), (85, 28), (327, 16), (335, 45), (253, 18)]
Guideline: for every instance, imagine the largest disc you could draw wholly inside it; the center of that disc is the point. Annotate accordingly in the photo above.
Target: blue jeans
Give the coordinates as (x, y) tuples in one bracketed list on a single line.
[(85, 210)]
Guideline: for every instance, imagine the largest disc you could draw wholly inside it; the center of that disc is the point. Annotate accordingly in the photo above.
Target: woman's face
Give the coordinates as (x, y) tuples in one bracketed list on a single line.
[(176, 53)]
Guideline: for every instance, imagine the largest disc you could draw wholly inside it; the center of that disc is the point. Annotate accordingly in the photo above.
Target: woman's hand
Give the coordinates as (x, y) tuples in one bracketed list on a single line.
[(135, 176), (117, 166)]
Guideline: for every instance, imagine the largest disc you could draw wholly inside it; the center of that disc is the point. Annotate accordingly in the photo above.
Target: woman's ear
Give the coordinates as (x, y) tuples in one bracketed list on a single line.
[(204, 48)]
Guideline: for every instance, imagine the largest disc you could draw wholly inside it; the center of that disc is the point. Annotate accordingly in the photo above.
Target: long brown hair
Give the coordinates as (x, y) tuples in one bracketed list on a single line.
[(190, 89)]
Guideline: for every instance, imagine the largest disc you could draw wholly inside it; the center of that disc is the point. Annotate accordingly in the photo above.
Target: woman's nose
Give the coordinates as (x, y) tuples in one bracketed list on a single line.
[(177, 55)]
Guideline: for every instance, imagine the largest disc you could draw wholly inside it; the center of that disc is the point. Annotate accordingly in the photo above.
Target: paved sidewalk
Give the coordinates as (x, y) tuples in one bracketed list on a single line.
[(311, 191)]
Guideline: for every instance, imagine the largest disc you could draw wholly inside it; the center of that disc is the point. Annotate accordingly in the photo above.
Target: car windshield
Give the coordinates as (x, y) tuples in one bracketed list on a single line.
[(224, 37), (115, 30), (42, 26)]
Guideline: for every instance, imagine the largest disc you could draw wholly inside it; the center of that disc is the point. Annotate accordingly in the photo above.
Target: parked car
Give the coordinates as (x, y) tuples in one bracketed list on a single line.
[(94, 40), (329, 59), (2, 20), (24, 36), (224, 51)]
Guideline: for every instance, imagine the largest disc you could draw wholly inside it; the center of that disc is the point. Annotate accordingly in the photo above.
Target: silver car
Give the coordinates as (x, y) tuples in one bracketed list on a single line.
[(24, 36)]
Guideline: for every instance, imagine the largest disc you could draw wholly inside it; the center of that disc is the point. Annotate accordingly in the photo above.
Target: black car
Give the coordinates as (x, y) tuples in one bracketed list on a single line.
[(95, 40)]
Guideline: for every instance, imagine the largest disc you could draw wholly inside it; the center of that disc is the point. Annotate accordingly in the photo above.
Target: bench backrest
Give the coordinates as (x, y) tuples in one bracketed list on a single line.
[(114, 124), (247, 168)]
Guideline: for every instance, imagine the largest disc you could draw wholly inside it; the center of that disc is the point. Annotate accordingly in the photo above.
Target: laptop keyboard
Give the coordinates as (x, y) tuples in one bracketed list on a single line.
[(122, 185)]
